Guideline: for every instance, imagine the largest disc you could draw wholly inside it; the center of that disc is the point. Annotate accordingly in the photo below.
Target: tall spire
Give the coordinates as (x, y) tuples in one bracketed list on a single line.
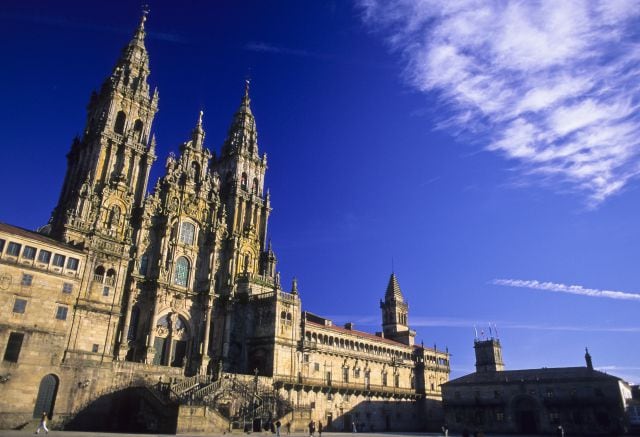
[(132, 68), (393, 290), (243, 136), (197, 135)]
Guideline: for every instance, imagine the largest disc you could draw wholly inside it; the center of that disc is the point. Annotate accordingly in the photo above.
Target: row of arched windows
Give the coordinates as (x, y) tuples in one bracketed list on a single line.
[(104, 276), (244, 184), (354, 345), (120, 124)]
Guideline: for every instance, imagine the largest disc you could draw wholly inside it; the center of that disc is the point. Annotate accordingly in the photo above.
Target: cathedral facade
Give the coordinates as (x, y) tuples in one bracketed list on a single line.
[(172, 290)]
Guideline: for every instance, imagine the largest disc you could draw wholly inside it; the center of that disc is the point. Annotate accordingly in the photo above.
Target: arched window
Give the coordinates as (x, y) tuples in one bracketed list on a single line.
[(137, 129), (254, 188), (111, 277), (121, 118), (187, 233), (181, 276), (243, 181), (98, 274)]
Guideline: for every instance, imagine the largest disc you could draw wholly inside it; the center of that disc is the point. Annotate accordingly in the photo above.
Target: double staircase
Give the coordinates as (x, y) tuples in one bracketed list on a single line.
[(246, 404)]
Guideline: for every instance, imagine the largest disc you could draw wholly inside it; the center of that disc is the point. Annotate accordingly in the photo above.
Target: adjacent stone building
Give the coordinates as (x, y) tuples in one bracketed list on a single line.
[(582, 400), (133, 303)]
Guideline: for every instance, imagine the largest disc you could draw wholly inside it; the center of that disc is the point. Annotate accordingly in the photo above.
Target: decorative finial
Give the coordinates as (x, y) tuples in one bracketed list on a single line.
[(200, 118), (145, 12), (139, 35), (294, 285), (247, 84)]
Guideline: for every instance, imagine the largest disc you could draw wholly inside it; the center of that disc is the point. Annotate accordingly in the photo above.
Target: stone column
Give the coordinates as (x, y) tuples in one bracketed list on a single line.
[(124, 341), (207, 332), (151, 352)]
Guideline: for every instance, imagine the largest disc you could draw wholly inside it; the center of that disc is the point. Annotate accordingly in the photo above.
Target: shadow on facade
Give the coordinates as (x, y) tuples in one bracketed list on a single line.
[(133, 410), (379, 416)]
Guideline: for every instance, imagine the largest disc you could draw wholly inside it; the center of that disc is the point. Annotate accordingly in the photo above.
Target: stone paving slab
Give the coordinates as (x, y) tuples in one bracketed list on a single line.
[(23, 433)]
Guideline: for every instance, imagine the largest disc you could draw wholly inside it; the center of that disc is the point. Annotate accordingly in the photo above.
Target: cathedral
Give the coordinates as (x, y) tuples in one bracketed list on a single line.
[(160, 308)]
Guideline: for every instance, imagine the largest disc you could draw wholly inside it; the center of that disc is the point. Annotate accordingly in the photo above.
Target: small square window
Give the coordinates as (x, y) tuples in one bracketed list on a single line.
[(67, 288), (72, 263), (19, 306), (58, 260), (105, 291), (44, 256), (61, 313), (13, 249), (26, 279), (95, 348), (29, 252)]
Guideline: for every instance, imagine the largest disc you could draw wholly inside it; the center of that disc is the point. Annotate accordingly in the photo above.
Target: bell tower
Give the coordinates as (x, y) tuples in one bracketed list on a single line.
[(108, 167), (101, 202), (242, 171), (488, 355), (395, 314)]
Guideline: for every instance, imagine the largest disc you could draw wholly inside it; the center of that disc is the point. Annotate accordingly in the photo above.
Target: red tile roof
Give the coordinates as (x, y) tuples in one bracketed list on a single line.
[(355, 333), (25, 233)]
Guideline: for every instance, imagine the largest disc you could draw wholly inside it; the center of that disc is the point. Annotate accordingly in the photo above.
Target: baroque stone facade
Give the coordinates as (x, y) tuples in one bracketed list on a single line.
[(174, 295)]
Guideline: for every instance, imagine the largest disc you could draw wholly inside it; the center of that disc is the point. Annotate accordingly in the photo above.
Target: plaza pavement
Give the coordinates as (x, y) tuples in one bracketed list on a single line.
[(23, 433)]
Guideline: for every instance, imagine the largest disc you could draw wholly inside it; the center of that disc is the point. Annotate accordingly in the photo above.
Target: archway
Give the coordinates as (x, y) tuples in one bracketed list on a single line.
[(526, 415), (46, 396), (171, 341)]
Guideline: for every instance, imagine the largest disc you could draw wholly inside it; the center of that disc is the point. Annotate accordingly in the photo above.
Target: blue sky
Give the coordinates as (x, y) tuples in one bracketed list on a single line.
[(490, 149)]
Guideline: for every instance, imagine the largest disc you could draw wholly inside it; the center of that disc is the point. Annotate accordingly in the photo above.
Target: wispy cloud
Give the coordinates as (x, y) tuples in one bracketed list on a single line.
[(551, 85), (564, 288), (263, 47), (364, 322)]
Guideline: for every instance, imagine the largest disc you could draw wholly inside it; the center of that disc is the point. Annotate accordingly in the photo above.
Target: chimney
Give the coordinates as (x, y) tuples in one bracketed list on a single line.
[(349, 326)]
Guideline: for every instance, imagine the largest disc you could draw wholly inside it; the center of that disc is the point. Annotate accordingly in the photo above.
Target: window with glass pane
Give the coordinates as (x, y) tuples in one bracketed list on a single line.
[(182, 272), (72, 263), (14, 249), (187, 233), (61, 313), (19, 306), (29, 252), (1, 245), (58, 260), (67, 288), (26, 279), (44, 256)]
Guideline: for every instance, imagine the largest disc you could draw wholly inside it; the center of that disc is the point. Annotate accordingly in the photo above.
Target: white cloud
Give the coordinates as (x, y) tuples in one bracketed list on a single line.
[(563, 288), (553, 84)]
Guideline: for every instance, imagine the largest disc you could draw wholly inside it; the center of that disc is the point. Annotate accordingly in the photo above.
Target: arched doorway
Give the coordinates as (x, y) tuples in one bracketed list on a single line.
[(171, 341), (46, 396), (526, 415)]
